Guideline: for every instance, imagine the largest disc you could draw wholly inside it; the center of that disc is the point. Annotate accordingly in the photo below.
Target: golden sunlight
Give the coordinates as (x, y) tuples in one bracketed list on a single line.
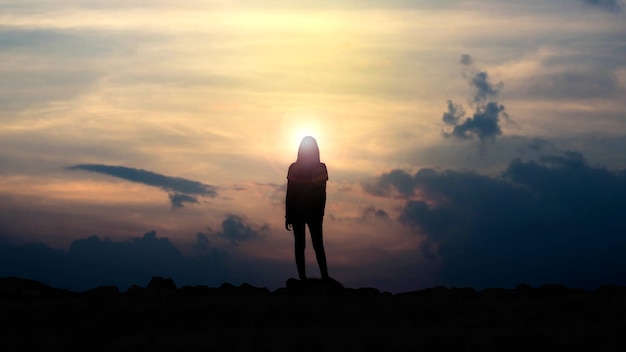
[(297, 125)]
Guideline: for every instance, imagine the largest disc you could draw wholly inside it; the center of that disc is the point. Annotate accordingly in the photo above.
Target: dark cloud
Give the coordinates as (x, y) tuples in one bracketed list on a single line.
[(554, 220), (606, 5), (484, 89), (180, 190), (397, 180), (94, 261), (454, 114), (141, 253), (235, 229), (485, 122), (177, 199), (202, 243)]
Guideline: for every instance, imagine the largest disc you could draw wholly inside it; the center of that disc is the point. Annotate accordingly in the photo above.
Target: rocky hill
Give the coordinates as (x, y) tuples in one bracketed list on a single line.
[(310, 315)]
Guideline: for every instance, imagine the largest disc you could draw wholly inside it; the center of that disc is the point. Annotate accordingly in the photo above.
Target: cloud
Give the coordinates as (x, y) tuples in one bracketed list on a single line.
[(373, 213), (397, 179), (485, 122), (177, 199), (38, 69), (556, 219), (93, 261), (454, 114), (202, 243), (466, 60), (479, 81), (236, 230), (180, 190), (483, 88), (606, 5), (141, 253), (538, 144), (574, 83)]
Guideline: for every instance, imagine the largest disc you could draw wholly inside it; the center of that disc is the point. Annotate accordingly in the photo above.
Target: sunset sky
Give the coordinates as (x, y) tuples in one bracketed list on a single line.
[(468, 143)]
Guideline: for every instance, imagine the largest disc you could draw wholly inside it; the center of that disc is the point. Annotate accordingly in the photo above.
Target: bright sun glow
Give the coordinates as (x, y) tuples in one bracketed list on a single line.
[(304, 131), (301, 124)]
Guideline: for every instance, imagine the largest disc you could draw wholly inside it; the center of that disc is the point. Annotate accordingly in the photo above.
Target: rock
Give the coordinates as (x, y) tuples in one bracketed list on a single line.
[(17, 287), (314, 286), (134, 290), (158, 282), (248, 289), (611, 290), (226, 288), (102, 292), (464, 292), (197, 291), (438, 291), (244, 289), (495, 292), (368, 292), (312, 315)]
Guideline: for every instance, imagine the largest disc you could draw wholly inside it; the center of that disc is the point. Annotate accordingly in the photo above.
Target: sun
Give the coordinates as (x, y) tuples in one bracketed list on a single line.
[(300, 133), (302, 124)]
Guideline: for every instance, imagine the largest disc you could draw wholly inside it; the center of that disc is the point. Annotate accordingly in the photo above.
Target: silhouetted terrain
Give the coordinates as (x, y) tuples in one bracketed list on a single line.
[(308, 316)]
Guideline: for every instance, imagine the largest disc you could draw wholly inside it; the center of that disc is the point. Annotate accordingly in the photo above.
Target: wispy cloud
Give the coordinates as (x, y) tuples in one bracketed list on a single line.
[(180, 190), (606, 5)]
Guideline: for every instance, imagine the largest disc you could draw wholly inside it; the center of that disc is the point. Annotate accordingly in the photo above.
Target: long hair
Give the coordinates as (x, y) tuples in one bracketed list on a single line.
[(308, 152)]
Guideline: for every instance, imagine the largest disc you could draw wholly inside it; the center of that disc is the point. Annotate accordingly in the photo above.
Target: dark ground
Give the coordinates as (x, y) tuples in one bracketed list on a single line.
[(310, 316)]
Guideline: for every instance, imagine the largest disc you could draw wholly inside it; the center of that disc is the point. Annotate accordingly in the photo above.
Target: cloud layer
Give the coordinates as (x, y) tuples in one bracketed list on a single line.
[(94, 261), (217, 93), (180, 190), (553, 220)]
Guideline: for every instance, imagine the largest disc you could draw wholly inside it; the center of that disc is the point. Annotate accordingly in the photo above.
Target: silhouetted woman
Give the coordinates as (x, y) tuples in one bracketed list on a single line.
[(305, 203)]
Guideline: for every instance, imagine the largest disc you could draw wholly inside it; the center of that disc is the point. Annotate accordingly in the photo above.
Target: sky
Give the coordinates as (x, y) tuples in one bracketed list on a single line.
[(468, 143)]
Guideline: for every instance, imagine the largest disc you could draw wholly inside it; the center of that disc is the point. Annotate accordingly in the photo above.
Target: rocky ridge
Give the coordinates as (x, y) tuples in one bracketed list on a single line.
[(312, 315)]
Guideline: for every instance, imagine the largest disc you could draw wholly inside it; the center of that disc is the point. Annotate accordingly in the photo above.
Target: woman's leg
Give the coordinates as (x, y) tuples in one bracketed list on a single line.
[(300, 244), (315, 227)]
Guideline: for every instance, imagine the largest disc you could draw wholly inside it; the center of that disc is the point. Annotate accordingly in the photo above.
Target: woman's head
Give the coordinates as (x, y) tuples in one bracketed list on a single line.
[(308, 152)]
